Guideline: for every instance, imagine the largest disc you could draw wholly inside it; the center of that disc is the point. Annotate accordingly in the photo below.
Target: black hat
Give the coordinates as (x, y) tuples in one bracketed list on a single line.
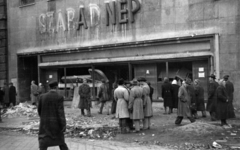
[(226, 77), (141, 79), (212, 76), (53, 84)]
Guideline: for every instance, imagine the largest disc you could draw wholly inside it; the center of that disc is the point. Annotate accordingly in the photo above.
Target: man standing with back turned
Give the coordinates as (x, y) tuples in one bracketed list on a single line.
[(52, 119)]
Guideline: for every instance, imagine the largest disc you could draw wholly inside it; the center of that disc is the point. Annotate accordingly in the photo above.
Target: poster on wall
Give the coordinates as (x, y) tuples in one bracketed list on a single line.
[(201, 75)]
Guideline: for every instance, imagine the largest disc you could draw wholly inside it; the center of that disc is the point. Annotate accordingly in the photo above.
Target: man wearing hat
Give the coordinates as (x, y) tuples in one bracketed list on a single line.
[(184, 104), (230, 90), (212, 99), (136, 105), (199, 92), (52, 119), (147, 104), (12, 94)]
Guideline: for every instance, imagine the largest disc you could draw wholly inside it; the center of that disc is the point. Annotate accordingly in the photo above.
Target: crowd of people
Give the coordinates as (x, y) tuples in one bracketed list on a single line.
[(132, 101)]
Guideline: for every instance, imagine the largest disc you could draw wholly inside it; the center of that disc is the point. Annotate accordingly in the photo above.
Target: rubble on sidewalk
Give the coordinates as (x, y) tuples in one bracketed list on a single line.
[(23, 109), (199, 128)]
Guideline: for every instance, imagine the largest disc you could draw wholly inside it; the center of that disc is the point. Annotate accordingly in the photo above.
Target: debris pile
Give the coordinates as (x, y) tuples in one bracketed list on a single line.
[(199, 128), (23, 109), (82, 127)]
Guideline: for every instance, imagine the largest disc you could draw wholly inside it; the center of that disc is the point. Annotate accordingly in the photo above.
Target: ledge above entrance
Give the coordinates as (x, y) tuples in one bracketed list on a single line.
[(128, 59)]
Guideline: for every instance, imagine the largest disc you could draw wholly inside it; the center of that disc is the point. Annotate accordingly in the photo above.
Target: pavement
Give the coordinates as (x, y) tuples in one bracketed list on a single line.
[(23, 142), (19, 141)]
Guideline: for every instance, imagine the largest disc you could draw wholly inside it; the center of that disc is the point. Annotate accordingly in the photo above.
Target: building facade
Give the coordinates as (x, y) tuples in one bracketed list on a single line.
[(3, 43), (51, 39)]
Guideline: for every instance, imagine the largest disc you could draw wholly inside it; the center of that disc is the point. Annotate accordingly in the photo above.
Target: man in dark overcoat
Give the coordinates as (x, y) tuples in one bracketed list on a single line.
[(6, 95), (151, 91), (103, 94), (52, 119), (230, 90), (212, 99), (222, 110), (85, 98), (167, 93), (12, 94), (199, 92)]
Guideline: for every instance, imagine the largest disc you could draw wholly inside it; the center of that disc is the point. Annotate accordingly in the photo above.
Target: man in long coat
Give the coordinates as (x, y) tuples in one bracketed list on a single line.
[(85, 98), (34, 93), (230, 90), (103, 95), (12, 94), (151, 91), (184, 104), (167, 93), (52, 119), (199, 92), (121, 95), (147, 104), (212, 99), (222, 110), (136, 105), (6, 95), (192, 95)]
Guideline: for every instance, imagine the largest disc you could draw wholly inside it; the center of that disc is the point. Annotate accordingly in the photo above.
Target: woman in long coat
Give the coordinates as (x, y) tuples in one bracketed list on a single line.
[(136, 105), (167, 93), (121, 95), (183, 104), (85, 98), (199, 92), (223, 111), (175, 87)]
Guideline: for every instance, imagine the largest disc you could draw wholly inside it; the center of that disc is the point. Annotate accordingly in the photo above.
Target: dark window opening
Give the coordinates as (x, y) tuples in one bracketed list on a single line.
[(26, 2)]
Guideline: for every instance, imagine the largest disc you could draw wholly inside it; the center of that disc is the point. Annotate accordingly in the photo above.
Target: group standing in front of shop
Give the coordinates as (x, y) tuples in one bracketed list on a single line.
[(132, 101), (189, 99)]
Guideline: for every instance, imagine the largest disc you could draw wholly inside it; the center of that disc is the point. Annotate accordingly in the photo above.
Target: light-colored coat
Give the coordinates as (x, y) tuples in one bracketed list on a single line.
[(183, 103), (147, 104), (121, 96), (136, 103), (34, 90)]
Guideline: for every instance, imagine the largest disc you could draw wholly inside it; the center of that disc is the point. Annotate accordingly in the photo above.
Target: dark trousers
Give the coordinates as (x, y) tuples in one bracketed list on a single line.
[(44, 143), (223, 122), (130, 123), (101, 107), (179, 120), (213, 116)]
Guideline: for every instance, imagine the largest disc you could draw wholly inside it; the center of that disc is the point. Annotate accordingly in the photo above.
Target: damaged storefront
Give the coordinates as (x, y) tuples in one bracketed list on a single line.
[(154, 60), (69, 41)]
